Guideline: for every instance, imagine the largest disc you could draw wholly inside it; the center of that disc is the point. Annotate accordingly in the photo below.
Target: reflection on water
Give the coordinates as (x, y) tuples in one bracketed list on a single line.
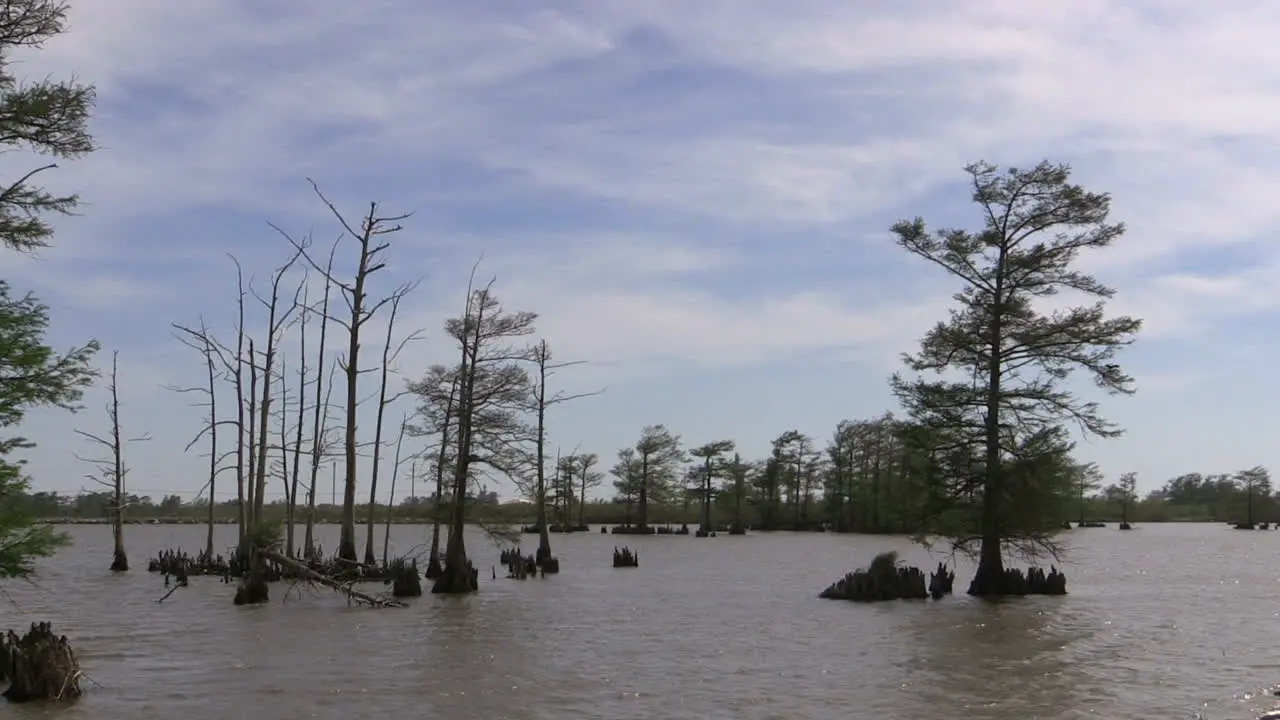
[(1162, 622)]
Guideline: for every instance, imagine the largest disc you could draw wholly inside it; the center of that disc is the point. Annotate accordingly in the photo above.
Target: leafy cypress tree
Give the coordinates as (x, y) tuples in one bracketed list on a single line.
[(48, 118), (1000, 362)]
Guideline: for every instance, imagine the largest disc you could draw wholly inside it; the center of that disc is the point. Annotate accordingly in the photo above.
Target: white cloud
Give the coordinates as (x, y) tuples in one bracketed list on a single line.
[(687, 147)]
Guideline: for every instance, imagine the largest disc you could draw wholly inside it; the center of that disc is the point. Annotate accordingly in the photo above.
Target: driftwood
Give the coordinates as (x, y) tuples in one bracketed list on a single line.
[(306, 573)]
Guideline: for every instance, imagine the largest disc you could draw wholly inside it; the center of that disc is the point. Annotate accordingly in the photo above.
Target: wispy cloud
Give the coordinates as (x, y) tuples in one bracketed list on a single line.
[(674, 186)]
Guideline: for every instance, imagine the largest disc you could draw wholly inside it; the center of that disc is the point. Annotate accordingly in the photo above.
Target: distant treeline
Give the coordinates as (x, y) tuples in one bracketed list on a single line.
[(1192, 497)]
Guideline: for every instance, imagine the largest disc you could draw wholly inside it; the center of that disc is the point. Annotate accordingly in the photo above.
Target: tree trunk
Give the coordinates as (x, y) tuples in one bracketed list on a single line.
[(643, 500), (989, 578), (318, 425), (253, 449), (706, 497), (213, 447), (347, 541), (544, 533)]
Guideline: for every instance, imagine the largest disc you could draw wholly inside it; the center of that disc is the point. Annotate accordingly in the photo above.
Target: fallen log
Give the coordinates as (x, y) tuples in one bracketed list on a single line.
[(307, 573)]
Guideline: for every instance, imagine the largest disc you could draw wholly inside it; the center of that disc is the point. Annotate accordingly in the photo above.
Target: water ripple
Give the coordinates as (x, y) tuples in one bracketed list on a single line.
[(1165, 622)]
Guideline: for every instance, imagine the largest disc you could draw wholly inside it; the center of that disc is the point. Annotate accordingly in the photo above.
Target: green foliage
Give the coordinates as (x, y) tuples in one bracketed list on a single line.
[(266, 534), (31, 375), (48, 118), (989, 382), (45, 116), (22, 541)]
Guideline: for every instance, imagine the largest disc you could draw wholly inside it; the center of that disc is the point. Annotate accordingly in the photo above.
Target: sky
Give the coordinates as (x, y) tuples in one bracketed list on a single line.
[(694, 196)]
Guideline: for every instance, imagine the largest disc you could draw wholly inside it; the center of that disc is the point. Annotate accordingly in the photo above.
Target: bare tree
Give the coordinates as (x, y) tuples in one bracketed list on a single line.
[(391, 498), (545, 367), (320, 451), (291, 509), (284, 458), (319, 425), (111, 470), (276, 321), (367, 234), (252, 447), (389, 356), (201, 341), (237, 376), (493, 390)]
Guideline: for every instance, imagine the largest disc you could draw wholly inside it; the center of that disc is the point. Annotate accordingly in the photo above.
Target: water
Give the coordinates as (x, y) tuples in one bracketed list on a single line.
[(1162, 622)]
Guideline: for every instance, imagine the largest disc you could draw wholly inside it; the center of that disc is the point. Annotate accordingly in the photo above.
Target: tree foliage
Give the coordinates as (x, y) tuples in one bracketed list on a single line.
[(51, 118), (989, 382)]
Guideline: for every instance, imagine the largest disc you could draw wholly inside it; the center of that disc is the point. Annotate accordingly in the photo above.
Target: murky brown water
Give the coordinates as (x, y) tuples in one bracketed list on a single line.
[(1163, 622)]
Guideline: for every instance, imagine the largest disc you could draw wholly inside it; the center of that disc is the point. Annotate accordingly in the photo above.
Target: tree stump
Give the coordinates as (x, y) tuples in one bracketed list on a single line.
[(625, 558), (38, 666), (457, 579), (550, 565), (882, 580), (941, 582), (1016, 582), (404, 578), (434, 568), (254, 590), (119, 561)]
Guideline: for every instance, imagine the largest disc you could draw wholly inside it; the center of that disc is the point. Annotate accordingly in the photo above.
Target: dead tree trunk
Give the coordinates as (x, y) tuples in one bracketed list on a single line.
[(275, 322), (367, 236), (242, 501), (111, 470), (388, 356), (201, 341), (301, 570), (252, 446), (213, 447), (291, 511), (320, 419), (391, 499), (541, 357), (284, 459)]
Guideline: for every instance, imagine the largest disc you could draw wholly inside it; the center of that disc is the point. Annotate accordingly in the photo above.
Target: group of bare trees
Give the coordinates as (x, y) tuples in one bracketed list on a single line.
[(485, 416), (277, 423)]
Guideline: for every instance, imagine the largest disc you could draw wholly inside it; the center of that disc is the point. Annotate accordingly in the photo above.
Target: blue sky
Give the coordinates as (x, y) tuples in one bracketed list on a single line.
[(694, 196)]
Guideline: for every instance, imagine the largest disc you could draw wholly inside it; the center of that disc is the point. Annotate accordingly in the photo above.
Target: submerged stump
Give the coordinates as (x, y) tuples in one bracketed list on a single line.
[(624, 557), (434, 568), (254, 590), (882, 580), (404, 578), (38, 666), (941, 582), (1016, 582), (457, 579)]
